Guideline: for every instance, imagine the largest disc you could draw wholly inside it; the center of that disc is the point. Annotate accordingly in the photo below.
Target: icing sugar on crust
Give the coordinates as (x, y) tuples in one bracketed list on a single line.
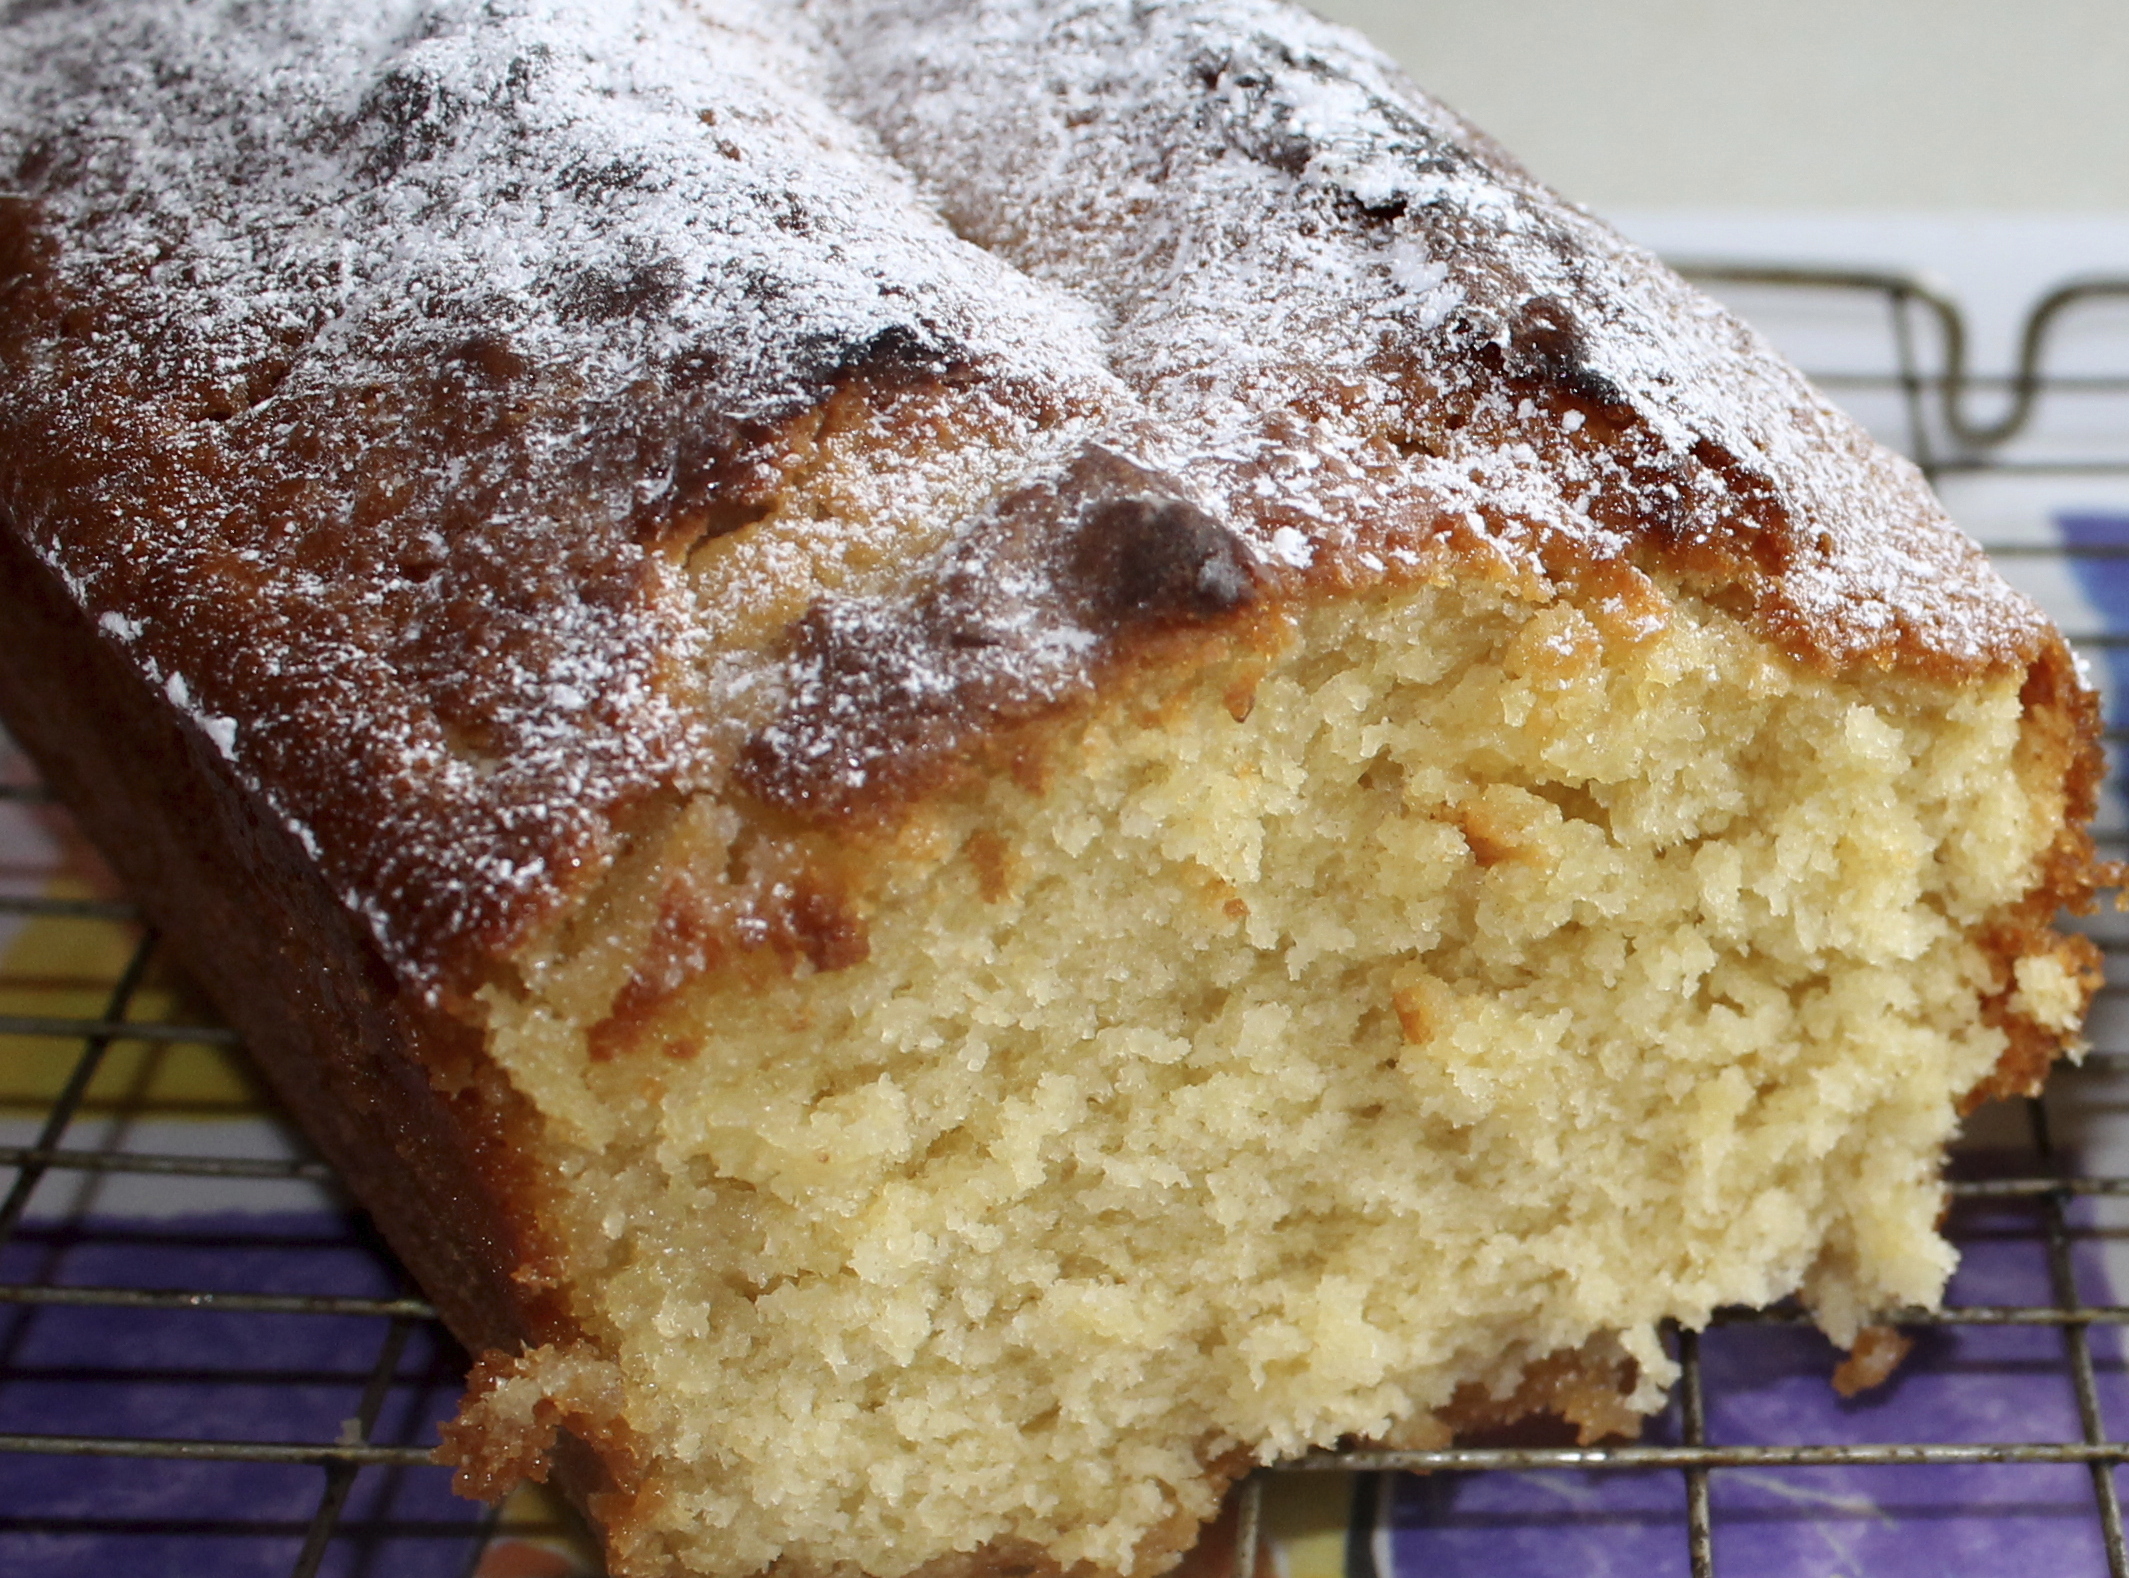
[(1369, 325), (420, 393), (373, 371)]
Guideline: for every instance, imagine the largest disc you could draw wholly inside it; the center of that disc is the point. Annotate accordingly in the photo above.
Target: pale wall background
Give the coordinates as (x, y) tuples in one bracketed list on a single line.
[(1786, 104)]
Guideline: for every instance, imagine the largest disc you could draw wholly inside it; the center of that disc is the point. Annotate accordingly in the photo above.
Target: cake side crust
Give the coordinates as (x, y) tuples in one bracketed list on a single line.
[(402, 1100)]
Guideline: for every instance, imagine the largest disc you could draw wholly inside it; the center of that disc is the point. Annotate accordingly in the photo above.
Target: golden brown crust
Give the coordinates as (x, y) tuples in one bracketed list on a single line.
[(1871, 1362), (1062, 583), (1585, 1391), (394, 671), (452, 570), (416, 545), (1383, 348), (399, 1098)]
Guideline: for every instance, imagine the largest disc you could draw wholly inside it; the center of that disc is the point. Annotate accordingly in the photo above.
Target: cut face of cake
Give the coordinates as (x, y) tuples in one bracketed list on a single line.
[(981, 758), (1307, 1045)]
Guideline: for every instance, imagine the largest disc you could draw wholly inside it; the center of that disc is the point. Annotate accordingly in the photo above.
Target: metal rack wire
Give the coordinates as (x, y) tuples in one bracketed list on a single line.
[(385, 1348), (370, 1405)]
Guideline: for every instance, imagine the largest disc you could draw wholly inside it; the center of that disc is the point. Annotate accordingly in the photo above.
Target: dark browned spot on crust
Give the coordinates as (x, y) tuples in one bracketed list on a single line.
[(1024, 614), (1546, 347), (1143, 558), (36, 161), (492, 357)]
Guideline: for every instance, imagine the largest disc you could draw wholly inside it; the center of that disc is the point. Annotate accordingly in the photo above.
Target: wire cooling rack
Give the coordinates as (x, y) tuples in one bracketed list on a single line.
[(192, 1391), (208, 1364)]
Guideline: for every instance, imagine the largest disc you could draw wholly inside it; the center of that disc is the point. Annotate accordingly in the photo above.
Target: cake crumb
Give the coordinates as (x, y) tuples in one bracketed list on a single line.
[(1877, 1353)]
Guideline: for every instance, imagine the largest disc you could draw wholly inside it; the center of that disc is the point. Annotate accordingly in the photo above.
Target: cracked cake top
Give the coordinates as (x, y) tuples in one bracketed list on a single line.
[(488, 419)]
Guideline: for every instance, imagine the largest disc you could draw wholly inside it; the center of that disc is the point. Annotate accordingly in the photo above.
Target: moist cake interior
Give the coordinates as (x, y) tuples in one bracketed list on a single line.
[(1309, 1035)]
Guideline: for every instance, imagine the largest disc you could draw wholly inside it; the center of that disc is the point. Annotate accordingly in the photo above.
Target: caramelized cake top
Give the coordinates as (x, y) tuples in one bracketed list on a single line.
[(492, 422)]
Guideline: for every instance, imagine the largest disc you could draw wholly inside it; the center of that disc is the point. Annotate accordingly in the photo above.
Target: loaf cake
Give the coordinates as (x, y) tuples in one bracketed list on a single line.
[(979, 757)]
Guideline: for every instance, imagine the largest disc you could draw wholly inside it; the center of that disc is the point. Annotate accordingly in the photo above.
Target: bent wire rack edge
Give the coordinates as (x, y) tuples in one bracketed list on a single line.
[(1938, 391)]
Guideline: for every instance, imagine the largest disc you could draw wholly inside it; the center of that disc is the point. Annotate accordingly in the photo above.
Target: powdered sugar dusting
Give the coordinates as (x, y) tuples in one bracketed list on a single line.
[(420, 391), (1306, 261), (391, 354)]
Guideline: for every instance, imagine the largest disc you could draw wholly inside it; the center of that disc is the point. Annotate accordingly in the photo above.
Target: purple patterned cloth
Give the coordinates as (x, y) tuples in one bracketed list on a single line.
[(216, 1375), (1770, 1385)]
